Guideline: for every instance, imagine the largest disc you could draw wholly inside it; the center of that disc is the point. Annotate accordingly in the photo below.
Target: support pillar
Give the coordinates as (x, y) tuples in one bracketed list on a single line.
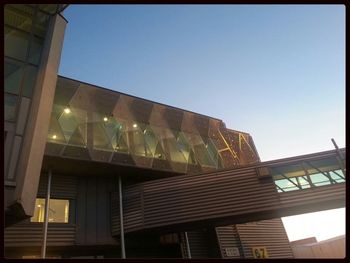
[(188, 246), (46, 216), (122, 242)]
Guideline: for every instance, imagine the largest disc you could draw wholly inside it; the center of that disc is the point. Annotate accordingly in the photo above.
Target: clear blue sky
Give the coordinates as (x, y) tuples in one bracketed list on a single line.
[(274, 71)]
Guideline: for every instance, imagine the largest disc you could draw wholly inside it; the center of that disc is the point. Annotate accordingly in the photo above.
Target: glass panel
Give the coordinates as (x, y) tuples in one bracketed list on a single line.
[(10, 107), (100, 138), (291, 170), (41, 25), (322, 165), (150, 141), (319, 179), (39, 211), (16, 43), (337, 176), (72, 122), (58, 211), (176, 154), (49, 8), (137, 142), (213, 152), (55, 133), (287, 185), (183, 145), (13, 72), (303, 182), (29, 80), (203, 155), (35, 50), (19, 16)]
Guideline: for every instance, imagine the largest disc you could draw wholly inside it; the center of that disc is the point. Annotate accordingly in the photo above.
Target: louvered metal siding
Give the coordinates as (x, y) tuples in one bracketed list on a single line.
[(228, 238), (317, 195), (194, 198), (31, 234), (62, 186), (198, 241), (115, 218), (133, 206), (267, 233), (236, 195)]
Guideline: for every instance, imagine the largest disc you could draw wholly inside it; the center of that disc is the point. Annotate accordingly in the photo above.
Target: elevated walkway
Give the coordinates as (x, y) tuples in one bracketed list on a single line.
[(262, 191)]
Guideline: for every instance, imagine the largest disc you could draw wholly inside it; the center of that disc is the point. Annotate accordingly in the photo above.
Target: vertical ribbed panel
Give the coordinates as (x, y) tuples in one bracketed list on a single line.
[(267, 233), (26, 234), (62, 186), (93, 216), (198, 241), (115, 218), (228, 238)]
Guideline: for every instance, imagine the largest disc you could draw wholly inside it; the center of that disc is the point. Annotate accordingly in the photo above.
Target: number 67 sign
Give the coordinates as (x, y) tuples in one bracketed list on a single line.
[(260, 252)]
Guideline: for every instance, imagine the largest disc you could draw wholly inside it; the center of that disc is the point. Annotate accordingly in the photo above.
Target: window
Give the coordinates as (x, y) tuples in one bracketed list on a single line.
[(10, 107), (16, 43), (58, 211), (13, 72)]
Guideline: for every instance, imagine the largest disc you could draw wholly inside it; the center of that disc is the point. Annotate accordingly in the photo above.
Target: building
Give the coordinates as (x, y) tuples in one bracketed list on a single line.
[(310, 248), (89, 151)]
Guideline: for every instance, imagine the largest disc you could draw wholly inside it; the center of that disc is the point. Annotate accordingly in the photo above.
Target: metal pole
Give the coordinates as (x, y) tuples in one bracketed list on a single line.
[(122, 242), (341, 157), (46, 216), (188, 246)]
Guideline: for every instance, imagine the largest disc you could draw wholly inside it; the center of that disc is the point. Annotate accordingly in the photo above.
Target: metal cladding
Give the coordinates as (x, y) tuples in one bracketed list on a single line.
[(92, 123), (229, 196)]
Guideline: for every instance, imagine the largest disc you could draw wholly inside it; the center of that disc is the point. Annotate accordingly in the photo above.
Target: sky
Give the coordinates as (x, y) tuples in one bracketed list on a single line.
[(274, 71)]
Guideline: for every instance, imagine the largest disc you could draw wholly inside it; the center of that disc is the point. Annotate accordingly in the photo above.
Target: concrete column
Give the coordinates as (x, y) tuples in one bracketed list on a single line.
[(34, 139), (46, 217)]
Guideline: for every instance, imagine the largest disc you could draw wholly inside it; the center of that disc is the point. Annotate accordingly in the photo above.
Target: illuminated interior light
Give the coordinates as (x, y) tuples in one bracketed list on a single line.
[(105, 119), (134, 125), (67, 110), (54, 136)]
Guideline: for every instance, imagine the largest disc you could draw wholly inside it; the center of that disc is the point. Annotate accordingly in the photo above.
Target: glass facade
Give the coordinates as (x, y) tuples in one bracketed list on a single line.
[(25, 30), (308, 174), (98, 124)]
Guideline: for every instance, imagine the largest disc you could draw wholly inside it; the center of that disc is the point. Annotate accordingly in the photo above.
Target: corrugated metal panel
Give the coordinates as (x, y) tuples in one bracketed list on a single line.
[(194, 198), (93, 217), (30, 234), (309, 196), (115, 218), (228, 238), (267, 233), (198, 241), (62, 186), (218, 196)]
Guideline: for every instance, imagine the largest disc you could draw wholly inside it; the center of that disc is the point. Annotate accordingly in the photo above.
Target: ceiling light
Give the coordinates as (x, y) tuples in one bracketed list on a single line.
[(105, 119), (134, 125), (54, 136), (67, 110)]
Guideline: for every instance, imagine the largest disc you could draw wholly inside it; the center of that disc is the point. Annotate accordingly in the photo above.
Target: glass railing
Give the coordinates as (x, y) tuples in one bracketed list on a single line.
[(307, 174)]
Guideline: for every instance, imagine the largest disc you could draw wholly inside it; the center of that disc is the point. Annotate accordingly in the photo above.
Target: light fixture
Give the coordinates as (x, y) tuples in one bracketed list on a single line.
[(134, 125), (105, 119), (67, 110), (54, 136), (38, 205)]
